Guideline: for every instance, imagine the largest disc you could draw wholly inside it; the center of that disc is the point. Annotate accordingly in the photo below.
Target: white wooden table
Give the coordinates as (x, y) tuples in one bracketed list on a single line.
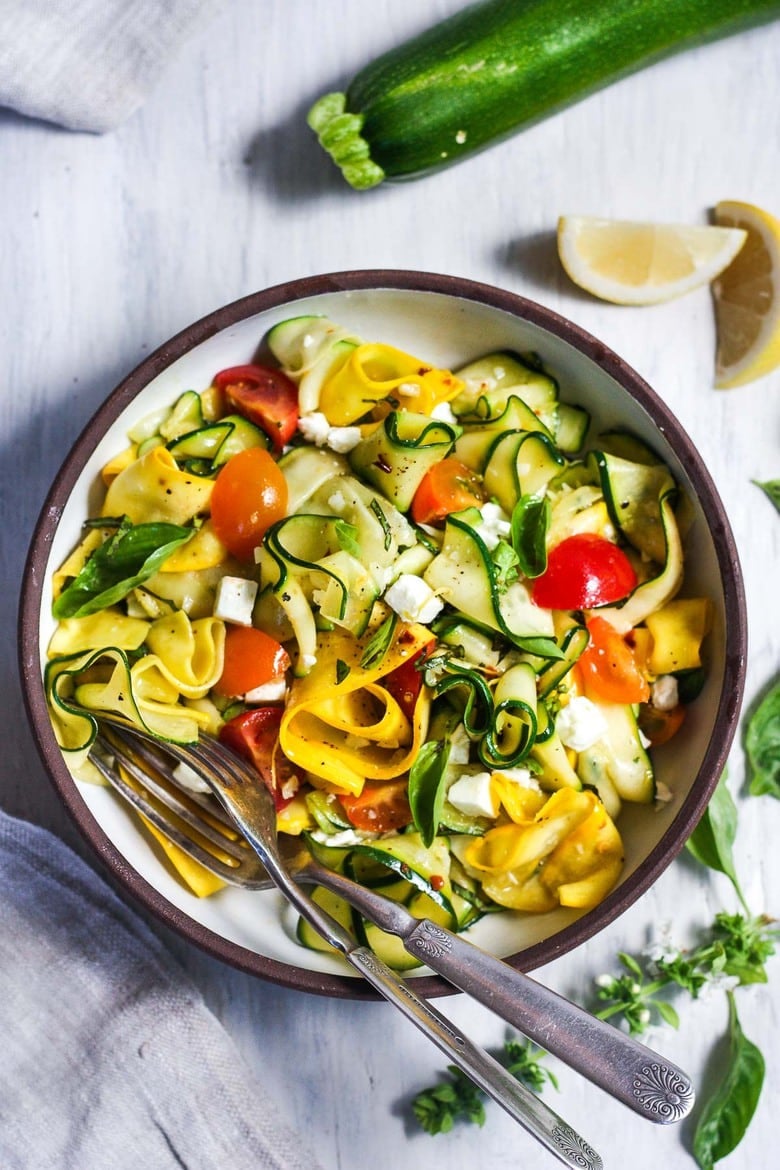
[(109, 245)]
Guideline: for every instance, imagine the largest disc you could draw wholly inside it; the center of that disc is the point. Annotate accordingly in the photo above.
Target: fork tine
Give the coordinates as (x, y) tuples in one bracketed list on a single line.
[(175, 800), (238, 865), (183, 799)]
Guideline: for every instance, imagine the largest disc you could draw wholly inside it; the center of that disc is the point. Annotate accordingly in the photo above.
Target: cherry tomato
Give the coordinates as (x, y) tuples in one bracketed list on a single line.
[(265, 396), (448, 486), (379, 807), (608, 668), (659, 726), (405, 683), (251, 659), (583, 571), (250, 494), (254, 735)]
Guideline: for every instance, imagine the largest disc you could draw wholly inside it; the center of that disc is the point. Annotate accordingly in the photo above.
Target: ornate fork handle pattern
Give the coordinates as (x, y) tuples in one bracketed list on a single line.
[(631, 1072)]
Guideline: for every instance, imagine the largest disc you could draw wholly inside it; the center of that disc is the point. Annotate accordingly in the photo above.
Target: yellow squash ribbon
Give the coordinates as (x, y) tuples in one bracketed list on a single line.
[(346, 732)]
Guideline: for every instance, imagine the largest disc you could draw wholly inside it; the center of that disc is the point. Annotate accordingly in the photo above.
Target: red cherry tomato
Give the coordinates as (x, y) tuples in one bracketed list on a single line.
[(380, 807), (583, 571), (265, 396), (448, 486), (405, 683), (251, 659), (608, 668), (254, 735), (250, 494)]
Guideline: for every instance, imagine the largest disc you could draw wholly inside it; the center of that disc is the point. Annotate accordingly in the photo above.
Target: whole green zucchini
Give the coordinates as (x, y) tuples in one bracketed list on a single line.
[(499, 66)]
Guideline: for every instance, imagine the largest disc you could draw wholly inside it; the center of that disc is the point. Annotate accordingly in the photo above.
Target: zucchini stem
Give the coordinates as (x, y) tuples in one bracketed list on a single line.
[(339, 134)]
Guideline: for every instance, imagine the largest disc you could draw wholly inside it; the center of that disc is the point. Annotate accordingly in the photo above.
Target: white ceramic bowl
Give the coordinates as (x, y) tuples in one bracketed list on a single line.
[(447, 321)]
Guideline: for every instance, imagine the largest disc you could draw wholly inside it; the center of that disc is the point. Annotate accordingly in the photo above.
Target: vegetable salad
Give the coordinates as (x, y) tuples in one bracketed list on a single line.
[(446, 626)]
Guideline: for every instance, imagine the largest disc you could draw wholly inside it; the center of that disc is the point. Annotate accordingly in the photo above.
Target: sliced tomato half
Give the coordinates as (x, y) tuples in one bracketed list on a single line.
[(254, 735), (252, 658), (608, 668), (379, 808), (448, 486), (265, 396)]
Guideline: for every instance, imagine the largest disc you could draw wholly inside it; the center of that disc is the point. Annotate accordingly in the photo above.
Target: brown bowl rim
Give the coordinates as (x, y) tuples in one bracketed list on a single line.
[(122, 873)]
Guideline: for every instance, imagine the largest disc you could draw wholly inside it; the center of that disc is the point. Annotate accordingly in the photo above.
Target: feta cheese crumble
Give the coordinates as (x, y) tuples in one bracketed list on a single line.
[(270, 692), (473, 796), (235, 600), (580, 724), (413, 599), (316, 429), (442, 412), (187, 778), (664, 693), (494, 526), (521, 776), (343, 439)]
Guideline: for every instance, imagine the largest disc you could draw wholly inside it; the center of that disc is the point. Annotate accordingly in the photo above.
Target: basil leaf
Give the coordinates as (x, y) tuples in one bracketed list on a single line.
[(346, 535), (771, 488), (379, 643), (506, 562), (342, 670), (530, 521), (728, 1112), (762, 744), (384, 523), (125, 559), (539, 646), (712, 841), (426, 787)]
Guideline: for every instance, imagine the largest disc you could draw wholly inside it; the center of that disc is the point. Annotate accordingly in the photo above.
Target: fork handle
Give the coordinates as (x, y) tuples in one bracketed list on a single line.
[(520, 1103), (648, 1083), (629, 1071)]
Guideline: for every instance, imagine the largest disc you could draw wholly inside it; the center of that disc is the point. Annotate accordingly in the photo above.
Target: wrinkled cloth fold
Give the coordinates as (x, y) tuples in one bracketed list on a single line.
[(89, 64), (110, 1058)]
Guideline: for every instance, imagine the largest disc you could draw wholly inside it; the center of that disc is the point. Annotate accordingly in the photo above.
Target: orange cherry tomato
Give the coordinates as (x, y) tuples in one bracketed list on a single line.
[(251, 659), (659, 726), (608, 668), (379, 807), (250, 494), (448, 486)]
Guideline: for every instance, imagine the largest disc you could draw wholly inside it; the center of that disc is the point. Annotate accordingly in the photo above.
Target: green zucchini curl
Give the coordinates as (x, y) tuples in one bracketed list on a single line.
[(339, 134)]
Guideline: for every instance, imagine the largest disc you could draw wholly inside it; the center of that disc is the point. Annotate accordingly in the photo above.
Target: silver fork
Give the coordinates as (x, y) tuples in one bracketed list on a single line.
[(649, 1084), (251, 808)]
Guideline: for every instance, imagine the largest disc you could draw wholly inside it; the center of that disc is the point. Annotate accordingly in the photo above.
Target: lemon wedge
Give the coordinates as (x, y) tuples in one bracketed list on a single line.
[(747, 298), (643, 263)]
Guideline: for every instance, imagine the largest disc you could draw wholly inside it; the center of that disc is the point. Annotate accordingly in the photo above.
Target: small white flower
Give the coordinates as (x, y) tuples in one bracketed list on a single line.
[(720, 981), (604, 980), (661, 949)]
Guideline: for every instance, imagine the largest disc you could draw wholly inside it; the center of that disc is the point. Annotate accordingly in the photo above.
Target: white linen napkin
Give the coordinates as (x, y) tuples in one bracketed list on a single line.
[(109, 1059), (88, 64)]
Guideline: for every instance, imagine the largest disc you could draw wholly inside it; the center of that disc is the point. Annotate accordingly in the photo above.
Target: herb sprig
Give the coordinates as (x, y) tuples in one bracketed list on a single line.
[(457, 1098)]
